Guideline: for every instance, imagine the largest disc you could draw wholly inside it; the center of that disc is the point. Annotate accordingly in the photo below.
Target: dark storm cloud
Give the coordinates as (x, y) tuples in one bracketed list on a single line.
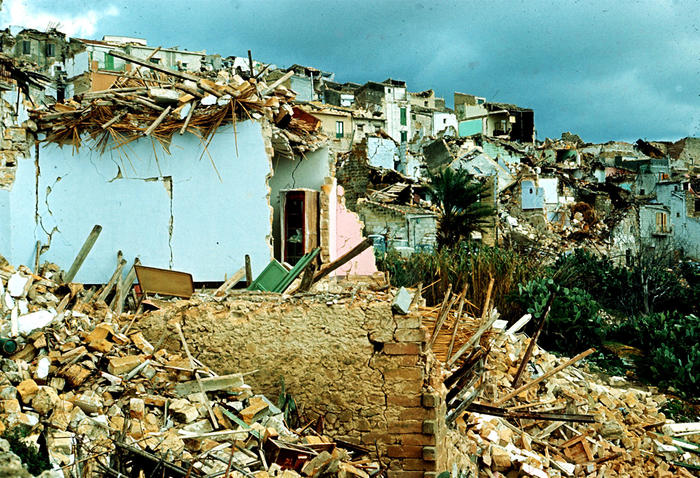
[(605, 70)]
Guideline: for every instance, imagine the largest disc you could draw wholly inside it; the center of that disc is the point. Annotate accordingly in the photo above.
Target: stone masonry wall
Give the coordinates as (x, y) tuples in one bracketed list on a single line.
[(353, 175), (13, 143), (351, 361)]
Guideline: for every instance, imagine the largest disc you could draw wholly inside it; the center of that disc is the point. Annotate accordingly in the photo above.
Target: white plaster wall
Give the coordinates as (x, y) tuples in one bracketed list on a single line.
[(79, 64), (550, 185), (441, 121), (5, 238), (381, 152), (307, 172), (414, 167), (215, 221)]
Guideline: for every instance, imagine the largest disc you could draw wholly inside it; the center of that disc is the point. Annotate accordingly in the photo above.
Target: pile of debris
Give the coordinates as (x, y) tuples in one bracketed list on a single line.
[(90, 390), (159, 102), (526, 411)]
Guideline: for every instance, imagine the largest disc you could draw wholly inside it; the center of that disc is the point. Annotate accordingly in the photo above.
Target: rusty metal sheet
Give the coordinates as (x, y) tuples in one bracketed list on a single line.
[(163, 281)]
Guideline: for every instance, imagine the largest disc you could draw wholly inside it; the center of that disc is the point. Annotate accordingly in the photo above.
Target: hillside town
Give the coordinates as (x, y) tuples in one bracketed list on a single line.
[(196, 276)]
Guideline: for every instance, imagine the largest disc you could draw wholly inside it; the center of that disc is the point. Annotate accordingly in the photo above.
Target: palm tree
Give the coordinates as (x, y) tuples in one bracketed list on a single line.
[(458, 197)]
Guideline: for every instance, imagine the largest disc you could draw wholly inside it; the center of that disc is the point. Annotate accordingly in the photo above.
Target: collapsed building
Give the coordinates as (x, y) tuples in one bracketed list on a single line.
[(194, 170), (159, 149)]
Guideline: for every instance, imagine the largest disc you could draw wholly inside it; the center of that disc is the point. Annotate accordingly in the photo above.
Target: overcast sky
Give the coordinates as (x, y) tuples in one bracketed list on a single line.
[(606, 70)]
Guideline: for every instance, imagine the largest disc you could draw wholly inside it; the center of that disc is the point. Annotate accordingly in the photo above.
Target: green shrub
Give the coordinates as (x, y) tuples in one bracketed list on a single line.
[(573, 323), (30, 455), (467, 263), (671, 345)]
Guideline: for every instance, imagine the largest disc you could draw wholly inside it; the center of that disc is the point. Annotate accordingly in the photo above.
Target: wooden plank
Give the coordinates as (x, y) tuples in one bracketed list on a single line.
[(230, 282), (460, 309), (112, 280), (274, 85), (544, 377), (82, 254), (447, 303), (501, 412), (248, 271), (533, 341), (164, 281), (158, 121), (212, 417), (114, 119), (193, 105), (153, 66), (485, 309), (347, 257), (472, 340), (210, 384)]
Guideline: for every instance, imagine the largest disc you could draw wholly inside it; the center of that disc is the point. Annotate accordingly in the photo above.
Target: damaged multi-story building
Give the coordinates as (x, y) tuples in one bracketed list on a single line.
[(266, 180)]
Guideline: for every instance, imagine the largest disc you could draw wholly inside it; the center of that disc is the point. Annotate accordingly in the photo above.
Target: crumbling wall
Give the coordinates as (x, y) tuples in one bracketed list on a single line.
[(172, 211), (309, 171), (384, 221), (349, 234), (14, 143), (353, 175), (353, 362)]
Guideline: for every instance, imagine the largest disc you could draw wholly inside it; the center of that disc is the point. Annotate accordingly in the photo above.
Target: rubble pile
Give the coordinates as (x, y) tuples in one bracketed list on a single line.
[(159, 102), (573, 422), (92, 391)]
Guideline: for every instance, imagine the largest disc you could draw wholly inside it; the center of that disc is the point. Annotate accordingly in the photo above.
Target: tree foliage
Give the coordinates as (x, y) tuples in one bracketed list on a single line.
[(459, 198)]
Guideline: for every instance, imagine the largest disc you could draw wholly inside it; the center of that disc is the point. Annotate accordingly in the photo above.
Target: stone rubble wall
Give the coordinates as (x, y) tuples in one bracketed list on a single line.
[(353, 362)]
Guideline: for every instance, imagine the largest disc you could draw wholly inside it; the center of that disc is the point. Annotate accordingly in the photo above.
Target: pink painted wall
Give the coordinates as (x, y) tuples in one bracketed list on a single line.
[(348, 235)]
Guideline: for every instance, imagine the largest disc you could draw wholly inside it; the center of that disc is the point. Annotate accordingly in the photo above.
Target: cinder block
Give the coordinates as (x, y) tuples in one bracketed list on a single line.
[(429, 453), (429, 427)]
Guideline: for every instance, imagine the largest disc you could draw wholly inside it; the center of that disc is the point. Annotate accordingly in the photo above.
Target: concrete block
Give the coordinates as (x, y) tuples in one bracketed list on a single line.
[(402, 301), (429, 427), (429, 453)]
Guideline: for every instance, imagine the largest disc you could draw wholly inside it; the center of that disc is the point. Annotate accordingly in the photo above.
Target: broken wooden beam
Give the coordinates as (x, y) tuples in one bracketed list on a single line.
[(502, 412), (533, 341), (460, 309), (112, 280), (447, 304), (347, 257), (230, 282), (472, 340), (153, 66), (544, 377), (248, 271), (157, 121), (82, 254), (193, 105)]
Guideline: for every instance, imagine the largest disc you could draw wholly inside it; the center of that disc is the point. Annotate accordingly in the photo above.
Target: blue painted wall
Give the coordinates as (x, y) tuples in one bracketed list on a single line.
[(172, 211), (532, 197), (470, 127)]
